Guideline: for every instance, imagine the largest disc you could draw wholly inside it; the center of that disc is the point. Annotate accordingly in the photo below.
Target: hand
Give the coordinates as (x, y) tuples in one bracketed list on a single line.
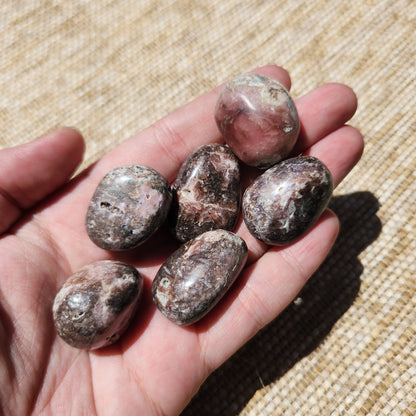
[(157, 366)]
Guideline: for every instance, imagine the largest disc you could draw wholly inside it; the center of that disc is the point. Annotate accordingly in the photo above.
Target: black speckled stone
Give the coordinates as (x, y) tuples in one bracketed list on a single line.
[(206, 193), (194, 278), (258, 119), (130, 203), (287, 199), (96, 304)]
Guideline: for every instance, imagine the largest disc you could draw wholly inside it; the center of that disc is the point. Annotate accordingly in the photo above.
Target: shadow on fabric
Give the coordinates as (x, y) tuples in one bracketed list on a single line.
[(304, 324)]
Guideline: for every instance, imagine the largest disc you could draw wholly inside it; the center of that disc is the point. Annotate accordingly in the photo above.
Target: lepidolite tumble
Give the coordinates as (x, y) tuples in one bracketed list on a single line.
[(195, 277), (258, 119), (96, 304), (287, 199), (206, 193), (130, 203)]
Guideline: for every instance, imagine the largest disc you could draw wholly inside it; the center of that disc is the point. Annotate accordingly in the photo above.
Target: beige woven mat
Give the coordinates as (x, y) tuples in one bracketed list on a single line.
[(111, 67)]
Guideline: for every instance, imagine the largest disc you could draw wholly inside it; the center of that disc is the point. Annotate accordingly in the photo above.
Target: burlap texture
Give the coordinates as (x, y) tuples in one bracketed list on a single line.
[(347, 345)]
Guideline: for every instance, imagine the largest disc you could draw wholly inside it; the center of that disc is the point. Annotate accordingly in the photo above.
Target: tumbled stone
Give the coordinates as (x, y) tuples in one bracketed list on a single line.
[(258, 119), (95, 305), (287, 199), (130, 203), (206, 193), (194, 278)]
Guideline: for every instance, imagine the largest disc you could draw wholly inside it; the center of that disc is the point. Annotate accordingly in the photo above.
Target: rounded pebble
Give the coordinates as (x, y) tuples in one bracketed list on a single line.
[(287, 199), (258, 119), (130, 203), (195, 277), (96, 304), (206, 193)]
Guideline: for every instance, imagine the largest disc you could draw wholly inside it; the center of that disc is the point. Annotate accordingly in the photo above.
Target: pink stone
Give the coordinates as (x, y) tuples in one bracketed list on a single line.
[(258, 119)]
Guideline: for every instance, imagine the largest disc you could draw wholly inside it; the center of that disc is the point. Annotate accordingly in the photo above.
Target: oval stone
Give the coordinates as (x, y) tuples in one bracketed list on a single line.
[(95, 305), (194, 278), (206, 193), (258, 119), (130, 203), (287, 199)]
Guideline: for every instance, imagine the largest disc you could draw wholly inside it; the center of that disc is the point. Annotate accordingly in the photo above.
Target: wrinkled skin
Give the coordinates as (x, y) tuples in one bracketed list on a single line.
[(157, 366)]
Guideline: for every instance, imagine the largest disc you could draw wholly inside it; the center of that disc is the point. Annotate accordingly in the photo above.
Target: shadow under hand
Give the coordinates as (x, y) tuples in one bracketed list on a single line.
[(304, 323)]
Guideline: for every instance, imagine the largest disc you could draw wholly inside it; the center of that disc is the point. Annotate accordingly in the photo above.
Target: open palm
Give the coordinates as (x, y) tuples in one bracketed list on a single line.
[(157, 366)]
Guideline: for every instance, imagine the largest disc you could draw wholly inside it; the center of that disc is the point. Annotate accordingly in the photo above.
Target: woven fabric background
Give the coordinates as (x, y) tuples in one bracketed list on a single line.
[(347, 345)]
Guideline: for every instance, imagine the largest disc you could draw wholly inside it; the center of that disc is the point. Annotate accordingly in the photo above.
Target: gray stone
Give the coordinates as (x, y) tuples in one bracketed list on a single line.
[(95, 305), (287, 199), (206, 193), (194, 278), (130, 203)]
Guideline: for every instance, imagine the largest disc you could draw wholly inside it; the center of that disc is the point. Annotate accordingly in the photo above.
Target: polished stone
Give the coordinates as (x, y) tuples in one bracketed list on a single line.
[(206, 193), (195, 277), (287, 199), (130, 203), (95, 305), (258, 119)]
